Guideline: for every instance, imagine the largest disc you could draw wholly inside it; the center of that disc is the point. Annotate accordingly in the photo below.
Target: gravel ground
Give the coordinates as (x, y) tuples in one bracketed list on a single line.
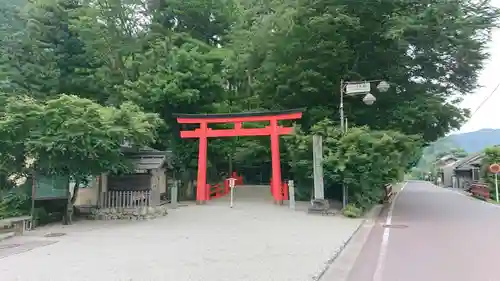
[(254, 241)]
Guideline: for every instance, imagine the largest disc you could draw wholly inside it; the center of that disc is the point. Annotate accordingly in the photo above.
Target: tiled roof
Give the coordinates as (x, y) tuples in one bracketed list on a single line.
[(469, 162), (149, 158), (149, 162)]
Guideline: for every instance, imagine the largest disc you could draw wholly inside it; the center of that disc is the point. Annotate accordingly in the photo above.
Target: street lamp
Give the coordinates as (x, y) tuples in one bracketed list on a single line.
[(355, 88), (352, 88), (369, 99), (383, 86)]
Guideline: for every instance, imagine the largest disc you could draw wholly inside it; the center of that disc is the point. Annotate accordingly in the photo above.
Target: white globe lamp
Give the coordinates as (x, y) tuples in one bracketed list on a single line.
[(383, 86), (369, 99)]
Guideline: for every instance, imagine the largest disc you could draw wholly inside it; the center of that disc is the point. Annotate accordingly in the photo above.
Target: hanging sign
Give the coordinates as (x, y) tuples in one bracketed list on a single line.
[(494, 168), (357, 88)]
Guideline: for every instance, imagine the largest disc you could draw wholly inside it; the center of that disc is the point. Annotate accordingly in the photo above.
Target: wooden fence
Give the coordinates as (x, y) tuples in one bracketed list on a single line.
[(125, 199)]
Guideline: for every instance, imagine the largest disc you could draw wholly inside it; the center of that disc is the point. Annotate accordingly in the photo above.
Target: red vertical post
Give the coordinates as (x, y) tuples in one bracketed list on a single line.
[(285, 191), (208, 191), (226, 186), (201, 184), (275, 159)]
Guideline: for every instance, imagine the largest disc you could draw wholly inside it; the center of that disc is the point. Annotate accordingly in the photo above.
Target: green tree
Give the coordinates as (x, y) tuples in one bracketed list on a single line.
[(205, 20), (72, 136), (296, 54), (361, 159), (48, 58), (10, 26)]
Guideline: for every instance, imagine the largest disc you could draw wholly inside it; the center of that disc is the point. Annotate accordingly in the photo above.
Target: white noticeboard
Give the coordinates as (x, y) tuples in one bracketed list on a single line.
[(357, 88)]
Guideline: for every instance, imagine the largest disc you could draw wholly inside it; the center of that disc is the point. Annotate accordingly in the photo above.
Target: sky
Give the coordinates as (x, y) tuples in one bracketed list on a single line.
[(487, 116)]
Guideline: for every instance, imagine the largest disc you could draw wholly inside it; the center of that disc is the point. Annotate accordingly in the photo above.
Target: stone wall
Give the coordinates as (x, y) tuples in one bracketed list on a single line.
[(141, 213)]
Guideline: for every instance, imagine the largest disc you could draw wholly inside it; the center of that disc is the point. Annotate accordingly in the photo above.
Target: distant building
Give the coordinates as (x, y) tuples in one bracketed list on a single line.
[(467, 170), (445, 166), (446, 173), (447, 159)]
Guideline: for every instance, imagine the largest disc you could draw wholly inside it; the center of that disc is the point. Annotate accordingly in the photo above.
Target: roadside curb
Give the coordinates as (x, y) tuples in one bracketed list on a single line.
[(7, 235), (469, 196), (343, 272)]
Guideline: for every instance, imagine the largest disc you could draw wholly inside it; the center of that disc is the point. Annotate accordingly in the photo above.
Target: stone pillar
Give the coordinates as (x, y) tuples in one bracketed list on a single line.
[(291, 194), (104, 182), (319, 188), (163, 180), (155, 187), (102, 188), (174, 191)]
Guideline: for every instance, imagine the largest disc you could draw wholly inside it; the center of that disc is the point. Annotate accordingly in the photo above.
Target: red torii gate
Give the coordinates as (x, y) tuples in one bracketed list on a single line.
[(203, 132)]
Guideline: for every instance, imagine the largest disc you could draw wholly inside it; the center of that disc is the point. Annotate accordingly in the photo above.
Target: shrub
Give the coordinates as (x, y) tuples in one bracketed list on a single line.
[(14, 203), (364, 160), (351, 211), (41, 216)]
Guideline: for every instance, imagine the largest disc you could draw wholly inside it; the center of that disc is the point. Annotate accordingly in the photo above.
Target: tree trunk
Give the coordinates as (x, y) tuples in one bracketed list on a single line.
[(75, 193), (99, 191), (68, 217)]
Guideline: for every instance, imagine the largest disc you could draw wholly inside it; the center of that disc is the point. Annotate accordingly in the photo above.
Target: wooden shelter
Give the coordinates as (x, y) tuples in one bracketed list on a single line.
[(144, 187)]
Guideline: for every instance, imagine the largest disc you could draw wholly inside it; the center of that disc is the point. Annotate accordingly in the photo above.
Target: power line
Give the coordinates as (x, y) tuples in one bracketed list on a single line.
[(485, 100)]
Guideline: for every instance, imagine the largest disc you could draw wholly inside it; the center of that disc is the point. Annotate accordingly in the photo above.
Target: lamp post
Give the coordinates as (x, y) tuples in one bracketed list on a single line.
[(356, 88)]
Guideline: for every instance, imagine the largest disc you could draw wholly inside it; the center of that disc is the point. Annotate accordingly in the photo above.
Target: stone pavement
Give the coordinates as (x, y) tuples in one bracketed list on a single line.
[(254, 241)]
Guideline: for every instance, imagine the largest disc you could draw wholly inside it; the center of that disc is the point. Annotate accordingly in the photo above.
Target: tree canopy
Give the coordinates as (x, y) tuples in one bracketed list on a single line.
[(71, 136), (108, 64)]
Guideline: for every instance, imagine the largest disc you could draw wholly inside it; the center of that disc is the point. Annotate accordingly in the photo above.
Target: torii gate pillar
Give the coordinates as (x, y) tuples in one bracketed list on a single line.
[(274, 130), (275, 162)]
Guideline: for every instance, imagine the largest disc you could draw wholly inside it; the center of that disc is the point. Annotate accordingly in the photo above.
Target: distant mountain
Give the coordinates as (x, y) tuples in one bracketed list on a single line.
[(475, 141), (469, 142)]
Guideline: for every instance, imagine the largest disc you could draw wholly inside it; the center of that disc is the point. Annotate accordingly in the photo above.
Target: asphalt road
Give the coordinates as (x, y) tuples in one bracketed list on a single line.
[(438, 234)]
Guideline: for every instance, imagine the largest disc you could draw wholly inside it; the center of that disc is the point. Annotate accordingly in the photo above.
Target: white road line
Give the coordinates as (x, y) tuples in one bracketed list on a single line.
[(379, 270)]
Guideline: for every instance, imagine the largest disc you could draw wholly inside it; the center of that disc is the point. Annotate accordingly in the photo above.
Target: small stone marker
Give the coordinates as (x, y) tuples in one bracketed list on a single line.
[(232, 183), (173, 195), (291, 194)]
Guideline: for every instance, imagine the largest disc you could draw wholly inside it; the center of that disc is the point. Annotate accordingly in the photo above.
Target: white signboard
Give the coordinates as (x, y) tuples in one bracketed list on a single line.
[(357, 88)]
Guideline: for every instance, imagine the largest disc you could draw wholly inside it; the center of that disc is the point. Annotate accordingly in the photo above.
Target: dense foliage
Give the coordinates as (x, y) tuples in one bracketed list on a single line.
[(361, 159), (13, 203), (95, 67)]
